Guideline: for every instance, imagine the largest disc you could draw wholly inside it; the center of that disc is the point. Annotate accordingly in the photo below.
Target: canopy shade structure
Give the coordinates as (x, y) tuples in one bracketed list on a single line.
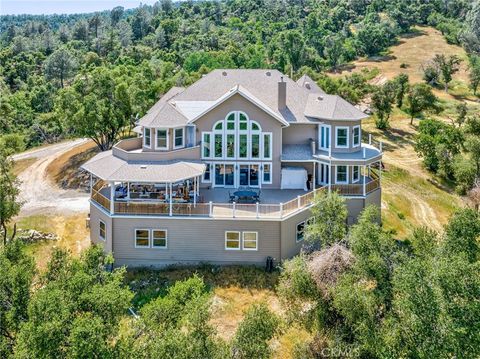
[(110, 168)]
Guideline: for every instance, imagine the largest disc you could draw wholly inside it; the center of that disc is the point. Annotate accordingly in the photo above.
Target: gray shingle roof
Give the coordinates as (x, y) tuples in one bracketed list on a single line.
[(302, 106), (297, 153), (108, 167)]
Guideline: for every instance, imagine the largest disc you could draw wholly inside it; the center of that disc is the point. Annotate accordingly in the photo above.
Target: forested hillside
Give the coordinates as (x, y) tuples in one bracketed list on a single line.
[(68, 75)]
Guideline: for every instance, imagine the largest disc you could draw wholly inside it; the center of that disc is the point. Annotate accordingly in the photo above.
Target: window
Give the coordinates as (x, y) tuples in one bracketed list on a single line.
[(206, 145), (325, 137), (267, 146), (232, 240), (267, 173), (218, 153), (179, 134), (219, 175), (231, 122), (255, 146), (162, 139), (300, 234), (142, 238), (356, 136), (146, 137), (243, 148), (342, 174), (102, 231), (243, 122), (219, 126), (207, 174), (356, 174), (230, 145), (159, 238), (250, 241), (342, 136)]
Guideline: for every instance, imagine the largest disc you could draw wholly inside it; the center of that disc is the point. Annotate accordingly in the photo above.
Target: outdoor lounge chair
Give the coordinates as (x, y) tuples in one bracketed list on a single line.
[(231, 197)]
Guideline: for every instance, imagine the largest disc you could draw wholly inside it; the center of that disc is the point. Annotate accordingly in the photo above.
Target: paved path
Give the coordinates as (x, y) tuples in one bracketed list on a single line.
[(38, 192)]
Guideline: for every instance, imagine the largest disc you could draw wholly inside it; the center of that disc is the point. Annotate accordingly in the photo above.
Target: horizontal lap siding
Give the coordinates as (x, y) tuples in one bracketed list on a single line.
[(191, 240), (290, 247), (95, 216)]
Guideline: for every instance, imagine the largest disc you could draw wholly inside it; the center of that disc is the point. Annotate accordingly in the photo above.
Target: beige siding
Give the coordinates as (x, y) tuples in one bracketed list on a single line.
[(290, 247), (350, 125), (96, 215), (299, 134), (193, 240)]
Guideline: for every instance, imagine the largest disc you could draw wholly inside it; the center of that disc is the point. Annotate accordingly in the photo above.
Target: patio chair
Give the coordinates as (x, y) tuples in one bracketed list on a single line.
[(257, 196), (231, 197)]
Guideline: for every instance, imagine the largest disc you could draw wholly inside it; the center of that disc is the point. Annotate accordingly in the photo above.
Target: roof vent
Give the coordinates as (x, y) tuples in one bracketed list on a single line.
[(320, 98), (143, 167), (224, 73), (307, 85), (268, 73)]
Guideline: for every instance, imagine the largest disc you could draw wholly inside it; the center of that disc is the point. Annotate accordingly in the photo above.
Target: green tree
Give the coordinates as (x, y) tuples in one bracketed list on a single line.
[(401, 86), (116, 14), (474, 74), (60, 65), (16, 276), (9, 192), (470, 36), (329, 220), (448, 65), (420, 98), (257, 327), (382, 102)]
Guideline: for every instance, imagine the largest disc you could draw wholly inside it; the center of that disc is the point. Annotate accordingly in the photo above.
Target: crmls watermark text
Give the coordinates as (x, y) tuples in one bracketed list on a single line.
[(340, 352)]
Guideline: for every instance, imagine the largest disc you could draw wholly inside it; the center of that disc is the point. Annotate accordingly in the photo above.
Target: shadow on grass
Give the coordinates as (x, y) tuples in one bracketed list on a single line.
[(150, 283)]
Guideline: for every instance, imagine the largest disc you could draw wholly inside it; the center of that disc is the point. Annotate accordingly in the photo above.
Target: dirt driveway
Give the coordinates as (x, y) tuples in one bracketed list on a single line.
[(38, 193)]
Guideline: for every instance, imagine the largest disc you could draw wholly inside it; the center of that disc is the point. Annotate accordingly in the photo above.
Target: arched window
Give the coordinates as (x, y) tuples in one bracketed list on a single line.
[(237, 137)]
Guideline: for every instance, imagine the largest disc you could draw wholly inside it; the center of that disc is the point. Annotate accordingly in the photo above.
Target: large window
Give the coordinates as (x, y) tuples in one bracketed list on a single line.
[(342, 174), (324, 137), (232, 240), (356, 136), (142, 238), (207, 177), (162, 139), (237, 137), (250, 241), (179, 137), (102, 231), (147, 137), (159, 238), (342, 136), (206, 144)]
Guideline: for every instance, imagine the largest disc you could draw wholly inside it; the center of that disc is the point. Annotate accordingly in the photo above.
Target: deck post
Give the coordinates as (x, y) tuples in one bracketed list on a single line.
[(330, 177), (314, 176), (171, 200), (364, 179), (210, 207), (257, 205), (195, 191), (91, 184), (281, 209), (298, 201), (112, 197), (381, 146), (233, 209), (369, 138), (364, 152)]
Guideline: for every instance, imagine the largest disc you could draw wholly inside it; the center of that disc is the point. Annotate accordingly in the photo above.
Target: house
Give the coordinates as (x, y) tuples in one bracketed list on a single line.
[(225, 171)]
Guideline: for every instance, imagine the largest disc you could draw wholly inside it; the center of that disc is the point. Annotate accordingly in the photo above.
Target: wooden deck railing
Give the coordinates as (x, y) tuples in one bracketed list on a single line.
[(226, 210)]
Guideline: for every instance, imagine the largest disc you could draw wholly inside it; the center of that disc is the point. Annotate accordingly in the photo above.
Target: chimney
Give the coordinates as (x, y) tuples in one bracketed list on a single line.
[(282, 94)]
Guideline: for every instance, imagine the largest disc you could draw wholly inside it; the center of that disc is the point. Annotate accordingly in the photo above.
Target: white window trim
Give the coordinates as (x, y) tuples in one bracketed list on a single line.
[(256, 241), (212, 146), (264, 134), (135, 237), (209, 145), (144, 137), (271, 173), (336, 136), (183, 137), (359, 136), (320, 137), (156, 139), (166, 238), (239, 241), (209, 165), (99, 230), (336, 175), (353, 173), (296, 231), (225, 143)]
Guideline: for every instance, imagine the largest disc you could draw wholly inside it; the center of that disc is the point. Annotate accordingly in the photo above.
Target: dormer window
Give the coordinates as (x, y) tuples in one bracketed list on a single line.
[(147, 137), (342, 137), (162, 139), (179, 137)]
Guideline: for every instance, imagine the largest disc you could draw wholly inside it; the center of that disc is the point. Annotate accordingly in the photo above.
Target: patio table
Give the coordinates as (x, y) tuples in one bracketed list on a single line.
[(246, 195)]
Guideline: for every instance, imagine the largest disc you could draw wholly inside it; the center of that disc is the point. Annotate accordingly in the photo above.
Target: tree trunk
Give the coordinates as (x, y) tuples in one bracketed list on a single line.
[(446, 87)]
